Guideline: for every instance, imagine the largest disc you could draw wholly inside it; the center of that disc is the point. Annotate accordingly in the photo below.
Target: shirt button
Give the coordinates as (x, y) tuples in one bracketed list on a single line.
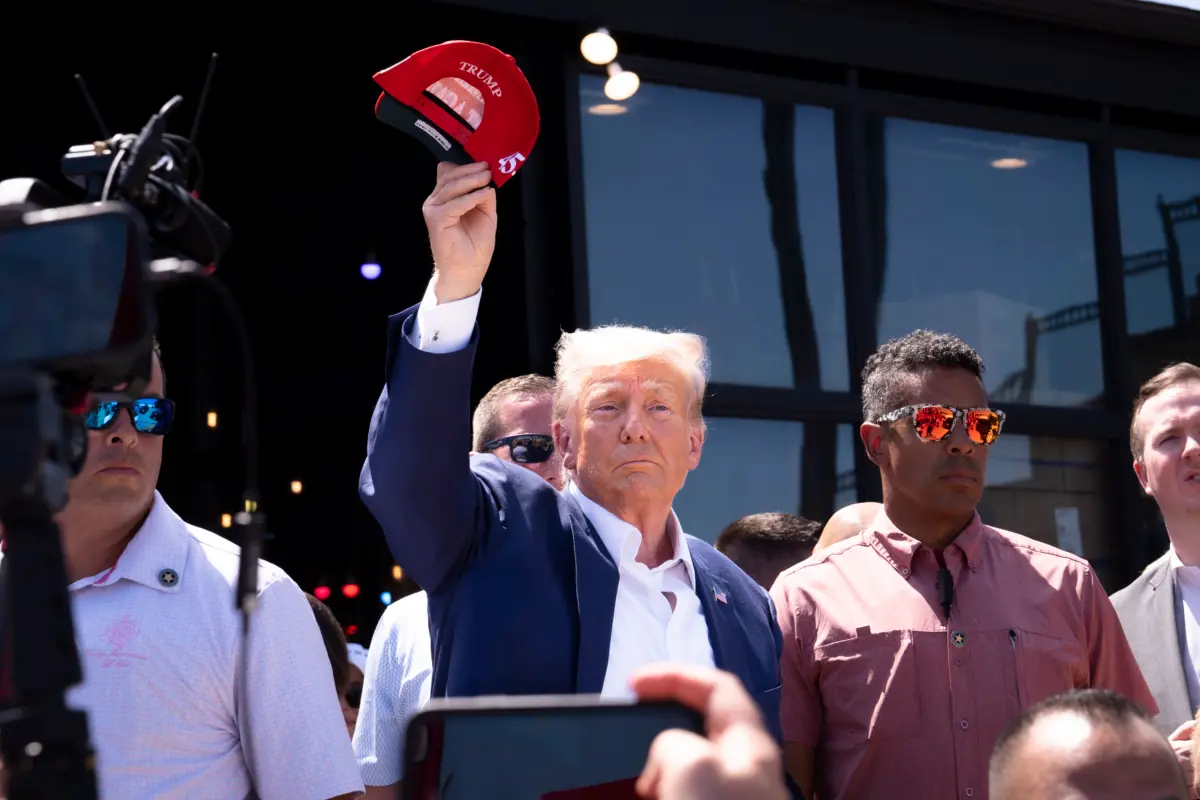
[(904, 571), (970, 792), (958, 662), (963, 725)]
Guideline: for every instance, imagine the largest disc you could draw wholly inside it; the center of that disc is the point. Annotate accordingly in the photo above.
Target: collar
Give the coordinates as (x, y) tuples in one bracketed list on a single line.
[(1182, 573), (898, 548), (622, 540), (155, 557)]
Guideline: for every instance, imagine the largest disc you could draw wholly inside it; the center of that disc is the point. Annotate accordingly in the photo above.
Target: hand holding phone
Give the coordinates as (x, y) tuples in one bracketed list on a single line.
[(738, 758)]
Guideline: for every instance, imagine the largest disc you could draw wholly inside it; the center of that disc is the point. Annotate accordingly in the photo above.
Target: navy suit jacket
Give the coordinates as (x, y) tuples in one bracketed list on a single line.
[(521, 589)]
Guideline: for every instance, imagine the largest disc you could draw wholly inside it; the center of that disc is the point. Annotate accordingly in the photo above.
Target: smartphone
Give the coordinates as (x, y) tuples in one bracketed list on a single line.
[(568, 747)]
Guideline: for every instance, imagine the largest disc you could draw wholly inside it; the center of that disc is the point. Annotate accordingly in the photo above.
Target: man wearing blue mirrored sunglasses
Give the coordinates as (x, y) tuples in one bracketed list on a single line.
[(159, 638)]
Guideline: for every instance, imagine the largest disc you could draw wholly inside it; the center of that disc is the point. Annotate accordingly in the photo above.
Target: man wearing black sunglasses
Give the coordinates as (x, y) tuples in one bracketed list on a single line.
[(909, 646), (512, 422), (159, 639)]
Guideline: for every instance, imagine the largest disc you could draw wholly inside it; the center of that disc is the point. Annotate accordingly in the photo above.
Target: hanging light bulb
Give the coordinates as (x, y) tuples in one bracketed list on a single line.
[(621, 84), (599, 47), (370, 268)]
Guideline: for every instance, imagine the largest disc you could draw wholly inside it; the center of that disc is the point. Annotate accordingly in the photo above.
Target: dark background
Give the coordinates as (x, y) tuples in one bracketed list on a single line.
[(311, 183)]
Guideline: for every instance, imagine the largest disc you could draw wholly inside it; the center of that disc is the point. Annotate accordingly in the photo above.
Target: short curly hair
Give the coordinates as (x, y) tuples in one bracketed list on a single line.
[(885, 376)]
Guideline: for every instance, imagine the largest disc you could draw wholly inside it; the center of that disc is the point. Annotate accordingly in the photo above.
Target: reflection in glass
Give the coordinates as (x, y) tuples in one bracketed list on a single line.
[(988, 236), (718, 214), (752, 465), (1158, 199), (1052, 490)]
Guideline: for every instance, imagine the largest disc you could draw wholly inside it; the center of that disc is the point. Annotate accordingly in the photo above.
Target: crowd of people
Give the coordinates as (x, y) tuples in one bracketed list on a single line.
[(898, 649)]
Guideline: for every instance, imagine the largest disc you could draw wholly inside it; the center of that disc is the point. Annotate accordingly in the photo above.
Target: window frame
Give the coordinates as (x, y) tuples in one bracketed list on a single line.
[(853, 107)]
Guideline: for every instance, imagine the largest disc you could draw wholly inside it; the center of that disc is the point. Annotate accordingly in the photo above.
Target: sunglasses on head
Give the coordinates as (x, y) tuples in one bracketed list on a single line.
[(933, 423), (354, 694), (525, 448), (151, 415)]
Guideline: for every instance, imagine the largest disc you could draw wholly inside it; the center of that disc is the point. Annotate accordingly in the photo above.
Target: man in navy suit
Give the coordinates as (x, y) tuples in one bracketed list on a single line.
[(532, 590)]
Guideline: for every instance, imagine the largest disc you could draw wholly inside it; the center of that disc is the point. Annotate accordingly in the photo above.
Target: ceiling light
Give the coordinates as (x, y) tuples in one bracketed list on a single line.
[(599, 47), (1010, 163), (621, 84), (607, 109)]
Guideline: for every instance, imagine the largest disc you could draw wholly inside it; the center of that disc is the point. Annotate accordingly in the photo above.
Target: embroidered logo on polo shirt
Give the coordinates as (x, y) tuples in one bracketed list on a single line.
[(119, 636)]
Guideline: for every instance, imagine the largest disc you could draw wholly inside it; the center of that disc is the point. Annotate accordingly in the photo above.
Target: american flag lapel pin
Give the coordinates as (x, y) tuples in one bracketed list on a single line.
[(720, 596)]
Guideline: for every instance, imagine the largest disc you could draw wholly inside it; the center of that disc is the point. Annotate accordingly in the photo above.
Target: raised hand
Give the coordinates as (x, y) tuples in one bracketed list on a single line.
[(460, 214)]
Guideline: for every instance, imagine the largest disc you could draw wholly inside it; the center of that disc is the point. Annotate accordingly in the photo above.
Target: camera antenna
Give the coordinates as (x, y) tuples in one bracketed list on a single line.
[(208, 79), (91, 104)]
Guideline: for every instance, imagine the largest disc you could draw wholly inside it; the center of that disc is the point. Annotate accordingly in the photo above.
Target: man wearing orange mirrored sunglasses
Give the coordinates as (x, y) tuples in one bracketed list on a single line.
[(909, 647)]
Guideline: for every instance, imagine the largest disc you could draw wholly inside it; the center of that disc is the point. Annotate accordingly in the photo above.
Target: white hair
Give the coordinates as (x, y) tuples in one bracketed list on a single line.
[(582, 353)]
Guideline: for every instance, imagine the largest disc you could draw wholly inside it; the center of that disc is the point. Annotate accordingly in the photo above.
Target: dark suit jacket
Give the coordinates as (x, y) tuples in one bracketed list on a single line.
[(521, 588), (1147, 610)]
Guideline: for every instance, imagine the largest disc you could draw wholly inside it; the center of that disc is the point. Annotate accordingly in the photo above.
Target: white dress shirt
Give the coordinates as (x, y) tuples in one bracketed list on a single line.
[(396, 685), (159, 639), (1187, 583), (646, 629)]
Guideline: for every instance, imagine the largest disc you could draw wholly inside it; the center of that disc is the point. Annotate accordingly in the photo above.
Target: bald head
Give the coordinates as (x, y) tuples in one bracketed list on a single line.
[(846, 523), (1086, 745)]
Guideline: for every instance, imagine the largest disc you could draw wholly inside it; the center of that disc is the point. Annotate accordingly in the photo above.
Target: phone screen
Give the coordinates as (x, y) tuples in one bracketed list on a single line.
[(573, 753), (70, 287)]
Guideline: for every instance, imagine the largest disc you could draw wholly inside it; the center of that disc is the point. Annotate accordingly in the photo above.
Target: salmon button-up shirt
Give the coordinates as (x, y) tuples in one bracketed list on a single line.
[(900, 701)]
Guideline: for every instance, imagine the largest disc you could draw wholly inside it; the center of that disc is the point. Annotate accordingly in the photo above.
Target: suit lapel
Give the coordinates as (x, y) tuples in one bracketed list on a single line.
[(596, 579), (720, 617), (1164, 633)]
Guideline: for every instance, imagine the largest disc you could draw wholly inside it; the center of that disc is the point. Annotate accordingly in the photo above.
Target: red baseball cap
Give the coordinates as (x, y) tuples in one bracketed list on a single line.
[(468, 102)]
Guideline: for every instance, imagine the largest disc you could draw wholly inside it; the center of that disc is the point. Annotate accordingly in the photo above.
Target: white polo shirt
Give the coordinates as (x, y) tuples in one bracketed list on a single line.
[(159, 639)]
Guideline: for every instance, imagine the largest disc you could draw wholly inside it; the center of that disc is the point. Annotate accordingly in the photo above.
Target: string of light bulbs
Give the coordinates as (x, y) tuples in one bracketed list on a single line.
[(600, 48)]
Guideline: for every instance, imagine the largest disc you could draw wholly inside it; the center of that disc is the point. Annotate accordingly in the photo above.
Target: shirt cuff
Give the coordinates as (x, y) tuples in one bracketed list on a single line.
[(444, 328)]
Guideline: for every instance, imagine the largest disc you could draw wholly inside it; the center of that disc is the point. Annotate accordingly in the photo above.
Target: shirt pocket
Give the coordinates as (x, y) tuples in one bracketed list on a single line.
[(1046, 665), (869, 687)]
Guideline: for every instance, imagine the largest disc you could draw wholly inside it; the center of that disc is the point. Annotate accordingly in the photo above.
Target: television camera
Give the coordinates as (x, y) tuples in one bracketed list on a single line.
[(77, 281)]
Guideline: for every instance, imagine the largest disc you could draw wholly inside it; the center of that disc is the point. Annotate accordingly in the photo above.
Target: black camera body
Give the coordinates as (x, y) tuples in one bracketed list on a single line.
[(76, 281)]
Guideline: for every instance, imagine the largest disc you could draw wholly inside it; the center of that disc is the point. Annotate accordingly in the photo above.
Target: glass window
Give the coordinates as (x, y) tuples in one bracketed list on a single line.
[(989, 236), (680, 186), (1157, 198), (1055, 491), (753, 465)]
